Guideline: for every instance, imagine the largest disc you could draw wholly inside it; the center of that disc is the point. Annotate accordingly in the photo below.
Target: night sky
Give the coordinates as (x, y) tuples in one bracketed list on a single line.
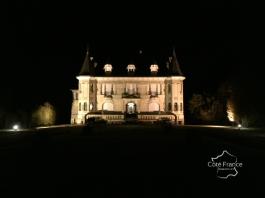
[(46, 44)]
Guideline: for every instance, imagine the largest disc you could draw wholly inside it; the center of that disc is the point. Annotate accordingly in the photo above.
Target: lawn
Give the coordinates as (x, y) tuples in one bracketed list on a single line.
[(128, 161)]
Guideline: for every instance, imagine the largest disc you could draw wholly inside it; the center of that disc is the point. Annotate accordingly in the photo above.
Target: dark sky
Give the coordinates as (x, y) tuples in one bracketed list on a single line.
[(46, 43)]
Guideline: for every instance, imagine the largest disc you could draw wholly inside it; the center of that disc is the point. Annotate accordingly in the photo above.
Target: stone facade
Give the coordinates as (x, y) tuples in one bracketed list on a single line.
[(151, 94)]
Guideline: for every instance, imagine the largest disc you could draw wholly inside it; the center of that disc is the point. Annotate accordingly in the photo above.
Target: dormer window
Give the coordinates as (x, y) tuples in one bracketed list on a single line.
[(131, 68), (154, 68), (108, 68)]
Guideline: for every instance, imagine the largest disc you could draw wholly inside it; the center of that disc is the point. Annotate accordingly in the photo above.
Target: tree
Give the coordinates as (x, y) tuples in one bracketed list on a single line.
[(195, 104), (44, 115), (246, 105), (206, 107)]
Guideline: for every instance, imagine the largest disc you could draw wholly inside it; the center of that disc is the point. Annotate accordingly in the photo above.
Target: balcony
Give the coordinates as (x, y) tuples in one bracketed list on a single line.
[(130, 95), (153, 94), (108, 94)]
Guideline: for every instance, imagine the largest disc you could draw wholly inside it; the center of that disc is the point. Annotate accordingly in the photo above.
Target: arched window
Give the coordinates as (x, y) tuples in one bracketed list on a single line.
[(153, 106), (130, 108), (175, 106), (169, 106), (80, 106), (181, 106), (85, 106), (108, 106)]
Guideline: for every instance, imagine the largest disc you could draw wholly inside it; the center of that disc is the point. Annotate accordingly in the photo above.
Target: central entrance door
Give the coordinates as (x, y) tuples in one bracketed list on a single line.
[(131, 113), (131, 108)]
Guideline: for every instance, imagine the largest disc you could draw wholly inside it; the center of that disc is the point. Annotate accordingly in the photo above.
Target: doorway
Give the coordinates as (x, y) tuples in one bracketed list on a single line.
[(131, 113), (131, 108)]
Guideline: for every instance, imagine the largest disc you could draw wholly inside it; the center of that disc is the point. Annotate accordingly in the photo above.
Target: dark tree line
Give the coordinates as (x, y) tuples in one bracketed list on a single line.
[(235, 101), (41, 115), (208, 108)]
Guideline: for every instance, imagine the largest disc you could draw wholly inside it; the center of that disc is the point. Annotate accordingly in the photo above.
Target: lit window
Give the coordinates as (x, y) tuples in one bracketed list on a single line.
[(91, 106), (131, 68), (154, 68), (108, 68)]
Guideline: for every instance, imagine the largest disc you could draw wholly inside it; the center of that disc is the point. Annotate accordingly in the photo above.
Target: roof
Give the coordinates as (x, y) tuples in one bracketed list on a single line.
[(87, 68), (168, 66)]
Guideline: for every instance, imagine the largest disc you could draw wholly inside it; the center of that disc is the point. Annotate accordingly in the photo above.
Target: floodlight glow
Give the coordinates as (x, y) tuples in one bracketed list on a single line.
[(230, 110), (15, 127)]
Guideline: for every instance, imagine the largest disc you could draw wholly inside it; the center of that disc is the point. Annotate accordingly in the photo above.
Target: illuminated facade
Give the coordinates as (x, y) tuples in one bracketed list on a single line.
[(148, 97)]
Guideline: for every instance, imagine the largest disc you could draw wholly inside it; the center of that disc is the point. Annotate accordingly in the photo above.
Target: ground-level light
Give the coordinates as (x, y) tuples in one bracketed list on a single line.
[(15, 127), (239, 125)]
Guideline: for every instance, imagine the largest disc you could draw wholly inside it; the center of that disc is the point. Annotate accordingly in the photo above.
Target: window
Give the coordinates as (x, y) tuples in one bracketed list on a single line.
[(168, 88), (80, 106), (131, 88), (175, 106), (153, 106), (181, 88), (154, 68), (181, 106), (108, 89), (153, 89), (91, 88), (107, 106), (169, 106), (131, 68), (91, 106), (131, 108), (76, 96), (108, 68), (85, 106)]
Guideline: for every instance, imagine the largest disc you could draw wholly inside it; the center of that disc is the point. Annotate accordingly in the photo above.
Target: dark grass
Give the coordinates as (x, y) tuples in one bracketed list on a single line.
[(128, 161)]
